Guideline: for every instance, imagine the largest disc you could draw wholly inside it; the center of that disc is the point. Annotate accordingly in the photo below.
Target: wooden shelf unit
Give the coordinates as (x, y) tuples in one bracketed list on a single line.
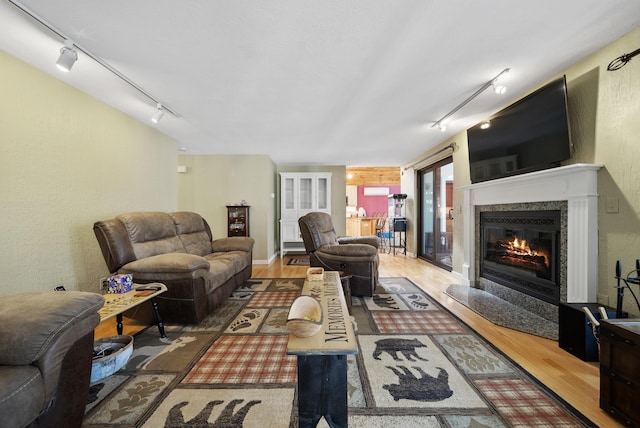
[(238, 220)]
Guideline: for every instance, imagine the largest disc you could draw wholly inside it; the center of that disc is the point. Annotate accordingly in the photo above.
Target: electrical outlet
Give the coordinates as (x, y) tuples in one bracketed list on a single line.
[(104, 283)]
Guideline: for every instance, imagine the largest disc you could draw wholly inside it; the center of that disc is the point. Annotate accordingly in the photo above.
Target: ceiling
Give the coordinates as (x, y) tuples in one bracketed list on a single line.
[(313, 82)]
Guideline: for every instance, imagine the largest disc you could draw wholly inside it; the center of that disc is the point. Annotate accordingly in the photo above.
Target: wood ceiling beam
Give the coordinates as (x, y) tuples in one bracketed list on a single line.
[(373, 176)]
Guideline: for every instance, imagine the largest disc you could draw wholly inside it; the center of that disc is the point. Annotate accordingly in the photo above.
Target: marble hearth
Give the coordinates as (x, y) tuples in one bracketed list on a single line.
[(572, 189)]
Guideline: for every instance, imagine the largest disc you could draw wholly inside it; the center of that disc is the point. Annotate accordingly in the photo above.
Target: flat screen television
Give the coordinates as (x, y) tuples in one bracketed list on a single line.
[(530, 135)]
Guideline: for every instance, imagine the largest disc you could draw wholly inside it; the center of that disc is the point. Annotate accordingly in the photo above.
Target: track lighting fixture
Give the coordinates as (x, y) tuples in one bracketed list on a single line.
[(158, 114), (499, 90), (68, 56), (622, 60)]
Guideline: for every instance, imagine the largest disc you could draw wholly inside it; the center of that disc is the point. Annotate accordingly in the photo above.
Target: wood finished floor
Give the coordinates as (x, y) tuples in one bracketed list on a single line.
[(574, 380)]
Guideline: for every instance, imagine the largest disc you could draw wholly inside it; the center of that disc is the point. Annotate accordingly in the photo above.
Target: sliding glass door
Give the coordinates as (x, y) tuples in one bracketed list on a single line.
[(435, 216)]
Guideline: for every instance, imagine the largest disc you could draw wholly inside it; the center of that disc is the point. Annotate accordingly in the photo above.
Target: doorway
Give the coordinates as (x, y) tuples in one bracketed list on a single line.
[(435, 216)]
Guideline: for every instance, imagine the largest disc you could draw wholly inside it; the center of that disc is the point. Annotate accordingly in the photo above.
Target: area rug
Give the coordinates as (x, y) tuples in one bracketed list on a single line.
[(299, 261), (417, 366)]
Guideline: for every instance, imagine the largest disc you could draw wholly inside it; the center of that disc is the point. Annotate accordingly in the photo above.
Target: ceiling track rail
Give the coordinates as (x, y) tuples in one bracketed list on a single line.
[(97, 59), (457, 108)]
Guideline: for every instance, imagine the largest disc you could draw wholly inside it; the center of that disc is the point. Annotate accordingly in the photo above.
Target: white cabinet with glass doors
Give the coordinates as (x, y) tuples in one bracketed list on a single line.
[(301, 193)]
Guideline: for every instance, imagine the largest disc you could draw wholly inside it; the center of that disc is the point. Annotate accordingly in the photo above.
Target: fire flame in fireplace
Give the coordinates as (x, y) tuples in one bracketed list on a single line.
[(520, 248)]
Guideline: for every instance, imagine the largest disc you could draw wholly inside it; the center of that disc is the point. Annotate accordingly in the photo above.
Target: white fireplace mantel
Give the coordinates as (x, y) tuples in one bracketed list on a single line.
[(578, 185)]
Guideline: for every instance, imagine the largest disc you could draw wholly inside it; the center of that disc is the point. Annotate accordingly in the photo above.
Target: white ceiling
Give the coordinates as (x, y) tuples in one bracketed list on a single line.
[(314, 82)]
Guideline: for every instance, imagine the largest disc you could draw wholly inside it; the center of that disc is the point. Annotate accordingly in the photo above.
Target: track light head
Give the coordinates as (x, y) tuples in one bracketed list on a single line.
[(499, 89), (68, 57), (158, 114)]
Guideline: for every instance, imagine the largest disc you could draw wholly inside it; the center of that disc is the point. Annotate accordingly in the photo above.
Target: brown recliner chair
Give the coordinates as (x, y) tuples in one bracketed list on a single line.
[(46, 349), (357, 256)]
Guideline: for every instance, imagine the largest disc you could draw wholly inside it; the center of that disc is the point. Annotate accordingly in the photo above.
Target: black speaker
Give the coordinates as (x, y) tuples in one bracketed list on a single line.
[(575, 334)]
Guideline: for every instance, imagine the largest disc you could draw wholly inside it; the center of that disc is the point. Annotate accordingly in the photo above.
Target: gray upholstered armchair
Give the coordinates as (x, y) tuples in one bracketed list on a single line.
[(357, 256)]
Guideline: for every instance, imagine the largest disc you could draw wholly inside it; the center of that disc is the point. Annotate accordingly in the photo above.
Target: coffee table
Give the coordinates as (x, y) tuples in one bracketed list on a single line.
[(117, 303)]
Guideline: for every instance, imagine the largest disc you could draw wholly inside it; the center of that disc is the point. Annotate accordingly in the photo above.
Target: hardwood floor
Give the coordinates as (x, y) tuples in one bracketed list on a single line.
[(574, 380)]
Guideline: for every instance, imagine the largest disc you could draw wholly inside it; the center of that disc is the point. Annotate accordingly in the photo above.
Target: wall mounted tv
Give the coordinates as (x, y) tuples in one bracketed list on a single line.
[(530, 135)]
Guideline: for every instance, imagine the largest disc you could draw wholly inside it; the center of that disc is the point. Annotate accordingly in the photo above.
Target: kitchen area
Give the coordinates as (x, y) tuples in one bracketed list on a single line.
[(376, 206), (368, 190)]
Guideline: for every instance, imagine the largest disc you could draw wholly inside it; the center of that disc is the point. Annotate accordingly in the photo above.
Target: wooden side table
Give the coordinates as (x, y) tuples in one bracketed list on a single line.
[(118, 303)]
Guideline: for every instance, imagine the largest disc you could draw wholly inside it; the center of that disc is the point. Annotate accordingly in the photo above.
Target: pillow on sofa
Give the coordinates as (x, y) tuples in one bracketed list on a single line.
[(192, 232), (151, 233)]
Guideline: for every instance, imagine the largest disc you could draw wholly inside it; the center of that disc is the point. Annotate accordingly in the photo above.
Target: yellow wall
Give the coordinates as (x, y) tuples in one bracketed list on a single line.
[(67, 160), (604, 111), (214, 181), (612, 120)]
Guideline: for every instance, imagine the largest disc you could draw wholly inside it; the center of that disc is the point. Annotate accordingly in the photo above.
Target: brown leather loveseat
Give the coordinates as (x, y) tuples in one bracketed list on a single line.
[(46, 347), (176, 249)]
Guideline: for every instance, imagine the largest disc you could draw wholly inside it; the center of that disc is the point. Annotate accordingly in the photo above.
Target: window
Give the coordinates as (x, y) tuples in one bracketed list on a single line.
[(435, 217)]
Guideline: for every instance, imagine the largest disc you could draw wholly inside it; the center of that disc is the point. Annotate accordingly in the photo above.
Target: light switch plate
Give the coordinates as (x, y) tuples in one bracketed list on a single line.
[(612, 205)]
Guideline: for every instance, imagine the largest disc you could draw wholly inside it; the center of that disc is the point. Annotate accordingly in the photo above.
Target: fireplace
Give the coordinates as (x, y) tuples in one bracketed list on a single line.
[(574, 188), (521, 250)]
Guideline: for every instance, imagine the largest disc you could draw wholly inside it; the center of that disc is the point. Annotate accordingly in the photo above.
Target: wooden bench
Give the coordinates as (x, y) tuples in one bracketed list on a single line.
[(322, 358)]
